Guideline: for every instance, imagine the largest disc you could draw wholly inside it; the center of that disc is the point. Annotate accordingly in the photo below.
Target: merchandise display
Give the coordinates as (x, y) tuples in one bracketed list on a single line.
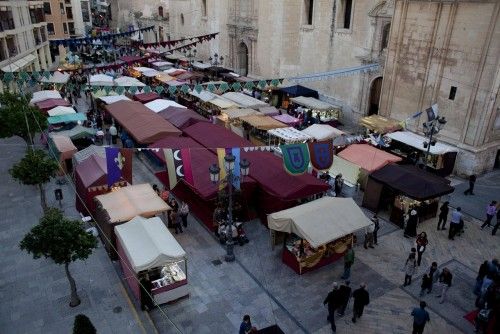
[(170, 273)]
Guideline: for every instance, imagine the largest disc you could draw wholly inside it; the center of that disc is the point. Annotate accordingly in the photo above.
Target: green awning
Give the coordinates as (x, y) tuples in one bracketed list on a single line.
[(66, 118)]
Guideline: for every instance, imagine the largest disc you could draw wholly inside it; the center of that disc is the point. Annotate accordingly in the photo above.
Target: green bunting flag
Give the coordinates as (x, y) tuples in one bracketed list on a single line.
[(295, 158), (172, 89), (198, 88)]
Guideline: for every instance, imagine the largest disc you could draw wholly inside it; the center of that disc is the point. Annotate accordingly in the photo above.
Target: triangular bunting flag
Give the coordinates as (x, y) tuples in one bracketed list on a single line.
[(172, 89), (146, 89), (185, 89), (224, 87), (236, 86), (198, 88), (159, 89)]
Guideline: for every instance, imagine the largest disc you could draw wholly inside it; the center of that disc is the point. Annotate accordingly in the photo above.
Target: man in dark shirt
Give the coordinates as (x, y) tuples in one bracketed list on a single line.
[(472, 181), (333, 300), (246, 326), (345, 294), (361, 299), (420, 318)]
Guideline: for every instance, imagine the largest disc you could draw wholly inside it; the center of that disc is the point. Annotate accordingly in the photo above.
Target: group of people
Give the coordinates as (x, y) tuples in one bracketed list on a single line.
[(338, 299), (335, 185), (177, 216), (487, 291)]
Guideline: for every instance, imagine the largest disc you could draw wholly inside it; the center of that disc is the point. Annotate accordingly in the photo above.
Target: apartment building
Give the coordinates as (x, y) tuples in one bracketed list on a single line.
[(24, 42)]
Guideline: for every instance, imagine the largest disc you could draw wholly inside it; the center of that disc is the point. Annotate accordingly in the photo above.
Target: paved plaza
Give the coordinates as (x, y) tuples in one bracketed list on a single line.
[(34, 293)]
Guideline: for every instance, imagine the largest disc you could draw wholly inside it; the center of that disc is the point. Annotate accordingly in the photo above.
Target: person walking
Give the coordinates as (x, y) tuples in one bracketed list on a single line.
[(114, 133), (472, 181), (420, 318), (481, 274), (445, 279), (146, 294), (107, 137), (376, 224), (497, 225), (348, 262), (443, 215), (175, 219), (333, 300), (421, 246), (491, 211), (361, 299), (434, 273), (339, 184), (369, 236), (246, 326), (456, 219), (411, 226), (183, 213), (426, 284), (410, 267), (345, 295)]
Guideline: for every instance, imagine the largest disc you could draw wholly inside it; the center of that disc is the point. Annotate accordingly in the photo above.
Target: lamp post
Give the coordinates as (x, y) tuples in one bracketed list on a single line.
[(216, 60), (229, 162), (190, 55), (430, 129)]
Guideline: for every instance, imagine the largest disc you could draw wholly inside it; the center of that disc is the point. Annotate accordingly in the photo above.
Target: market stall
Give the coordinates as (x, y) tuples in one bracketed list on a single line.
[(256, 127), (162, 65), (182, 118), (288, 120), (198, 101), (146, 247), (322, 132), (90, 177), (162, 104), (218, 104), (43, 95), (397, 187), (125, 81), (269, 111), (146, 97), (62, 149), (230, 118), (101, 80), (244, 100), (162, 78), (287, 135), (318, 232), (86, 153), (327, 113), (113, 99), (364, 160), (283, 95), (61, 110), (409, 146), (67, 118), (48, 104), (56, 78), (143, 125), (174, 71), (81, 136), (121, 205), (379, 124)]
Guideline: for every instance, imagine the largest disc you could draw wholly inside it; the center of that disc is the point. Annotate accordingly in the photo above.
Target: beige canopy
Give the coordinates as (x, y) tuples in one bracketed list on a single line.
[(237, 113), (127, 202), (148, 243), (320, 221), (263, 122)]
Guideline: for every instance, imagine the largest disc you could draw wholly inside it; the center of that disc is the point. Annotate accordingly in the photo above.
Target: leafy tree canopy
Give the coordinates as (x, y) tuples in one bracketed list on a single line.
[(59, 238), (13, 109), (35, 168)]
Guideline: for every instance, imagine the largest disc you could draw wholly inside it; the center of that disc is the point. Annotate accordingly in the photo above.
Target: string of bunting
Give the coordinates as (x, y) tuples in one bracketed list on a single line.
[(199, 39), (92, 40)]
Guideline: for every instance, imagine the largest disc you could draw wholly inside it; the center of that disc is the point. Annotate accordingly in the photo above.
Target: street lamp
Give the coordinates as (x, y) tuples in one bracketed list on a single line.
[(190, 55), (216, 60), (214, 170), (430, 129)]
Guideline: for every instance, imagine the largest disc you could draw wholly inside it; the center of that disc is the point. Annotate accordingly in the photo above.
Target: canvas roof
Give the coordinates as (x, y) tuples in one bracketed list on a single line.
[(101, 80), (162, 63), (322, 131), (143, 69), (290, 134), (262, 122), (87, 152), (201, 66), (312, 103), (412, 181), (92, 171), (76, 132), (64, 146), (298, 90), (238, 112), (162, 104), (125, 203), (57, 77), (173, 142), (175, 83), (142, 124), (148, 243), (213, 136), (146, 97), (380, 124), (190, 75), (174, 71), (125, 81), (164, 77), (269, 111), (52, 103), (320, 221), (61, 110), (368, 157), (45, 95), (415, 140), (244, 100), (223, 103), (67, 118), (287, 119), (113, 98), (182, 117), (204, 95)]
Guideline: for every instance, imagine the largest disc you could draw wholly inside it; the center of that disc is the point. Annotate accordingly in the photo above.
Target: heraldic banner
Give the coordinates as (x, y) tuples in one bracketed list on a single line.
[(178, 163), (221, 153), (321, 154), (295, 158), (119, 164)]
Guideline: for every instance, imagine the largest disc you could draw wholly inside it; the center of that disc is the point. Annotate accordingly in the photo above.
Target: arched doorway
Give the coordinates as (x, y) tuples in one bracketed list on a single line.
[(243, 59), (375, 96)]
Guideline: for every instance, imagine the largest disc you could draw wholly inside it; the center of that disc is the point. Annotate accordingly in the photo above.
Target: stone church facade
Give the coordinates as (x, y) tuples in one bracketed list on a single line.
[(448, 52), (287, 38)]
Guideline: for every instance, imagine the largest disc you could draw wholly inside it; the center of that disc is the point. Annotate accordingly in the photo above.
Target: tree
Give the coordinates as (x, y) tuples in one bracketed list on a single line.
[(15, 112), (62, 240), (35, 169), (83, 325)]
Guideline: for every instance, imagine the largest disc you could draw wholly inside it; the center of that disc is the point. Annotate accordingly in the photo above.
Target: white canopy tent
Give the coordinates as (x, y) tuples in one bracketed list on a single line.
[(223, 103), (289, 135), (148, 243), (204, 95), (162, 104), (173, 70), (125, 81), (113, 99), (244, 100), (312, 103), (320, 221), (45, 95), (322, 131), (201, 66), (416, 141), (57, 78), (101, 80), (60, 110)]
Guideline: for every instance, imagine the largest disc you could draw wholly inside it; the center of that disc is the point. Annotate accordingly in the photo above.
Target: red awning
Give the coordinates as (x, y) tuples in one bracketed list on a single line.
[(215, 136), (52, 103), (146, 97), (173, 142), (182, 117), (92, 171), (130, 59)]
